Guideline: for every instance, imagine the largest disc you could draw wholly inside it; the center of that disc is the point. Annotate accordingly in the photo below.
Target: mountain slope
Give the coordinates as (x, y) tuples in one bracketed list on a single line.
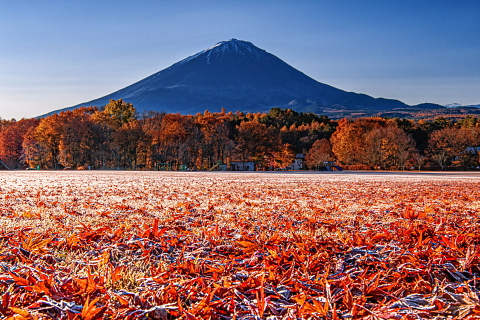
[(237, 75)]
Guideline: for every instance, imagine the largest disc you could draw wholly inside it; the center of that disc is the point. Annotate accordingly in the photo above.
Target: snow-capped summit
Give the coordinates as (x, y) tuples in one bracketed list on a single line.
[(231, 47), (237, 75), (233, 44), (453, 105), (458, 105)]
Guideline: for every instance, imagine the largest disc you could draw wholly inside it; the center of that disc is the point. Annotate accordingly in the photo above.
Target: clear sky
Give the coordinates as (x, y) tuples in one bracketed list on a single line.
[(55, 54)]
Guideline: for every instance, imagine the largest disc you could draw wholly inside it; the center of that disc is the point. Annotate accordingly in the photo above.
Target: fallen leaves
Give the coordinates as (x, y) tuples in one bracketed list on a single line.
[(237, 246)]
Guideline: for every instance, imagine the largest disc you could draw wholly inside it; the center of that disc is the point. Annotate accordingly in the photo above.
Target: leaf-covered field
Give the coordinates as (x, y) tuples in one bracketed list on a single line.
[(159, 245)]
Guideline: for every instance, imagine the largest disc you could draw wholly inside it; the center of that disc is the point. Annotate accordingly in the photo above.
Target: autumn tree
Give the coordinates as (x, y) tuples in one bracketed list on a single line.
[(348, 141), (77, 140), (101, 147), (173, 141), (283, 156), (34, 153), (151, 123), (215, 142), (48, 135), (319, 153), (118, 120), (128, 141), (374, 142), (11, 141), (448, 144), (387, 147), (254, 140), (418, 159)]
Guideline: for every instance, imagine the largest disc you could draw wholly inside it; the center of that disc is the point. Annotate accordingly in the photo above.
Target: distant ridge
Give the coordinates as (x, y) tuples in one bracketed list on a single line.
[(458, 105), (239, 76)]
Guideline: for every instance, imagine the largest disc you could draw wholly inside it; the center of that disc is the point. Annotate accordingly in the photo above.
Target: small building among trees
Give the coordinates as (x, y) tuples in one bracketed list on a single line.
[(297, 163), (242, 166)]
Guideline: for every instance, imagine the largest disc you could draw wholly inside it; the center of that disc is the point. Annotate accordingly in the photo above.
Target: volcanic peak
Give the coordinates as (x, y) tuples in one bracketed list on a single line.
[(232, 46), (237, 75)]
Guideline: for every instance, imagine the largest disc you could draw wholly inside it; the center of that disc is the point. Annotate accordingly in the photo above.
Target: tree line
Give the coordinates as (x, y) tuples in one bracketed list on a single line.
[(116, 136)]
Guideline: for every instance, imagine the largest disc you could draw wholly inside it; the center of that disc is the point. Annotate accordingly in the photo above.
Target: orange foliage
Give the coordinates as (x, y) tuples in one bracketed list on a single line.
[(285, 246)]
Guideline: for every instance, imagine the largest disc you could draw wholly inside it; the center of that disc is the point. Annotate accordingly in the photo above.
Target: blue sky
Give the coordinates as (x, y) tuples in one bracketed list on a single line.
[(55, 54)]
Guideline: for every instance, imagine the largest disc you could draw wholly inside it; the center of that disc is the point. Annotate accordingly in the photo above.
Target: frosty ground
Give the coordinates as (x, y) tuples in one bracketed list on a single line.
[(127, 245)]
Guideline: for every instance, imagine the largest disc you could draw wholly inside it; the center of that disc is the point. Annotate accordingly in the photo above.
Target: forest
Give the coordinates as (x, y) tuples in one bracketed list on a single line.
[(117, 137)]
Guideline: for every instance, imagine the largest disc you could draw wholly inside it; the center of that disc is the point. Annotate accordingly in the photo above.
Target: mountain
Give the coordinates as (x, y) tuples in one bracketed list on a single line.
[(423, 106), (238, 76), (458, 105), (453, 105)]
